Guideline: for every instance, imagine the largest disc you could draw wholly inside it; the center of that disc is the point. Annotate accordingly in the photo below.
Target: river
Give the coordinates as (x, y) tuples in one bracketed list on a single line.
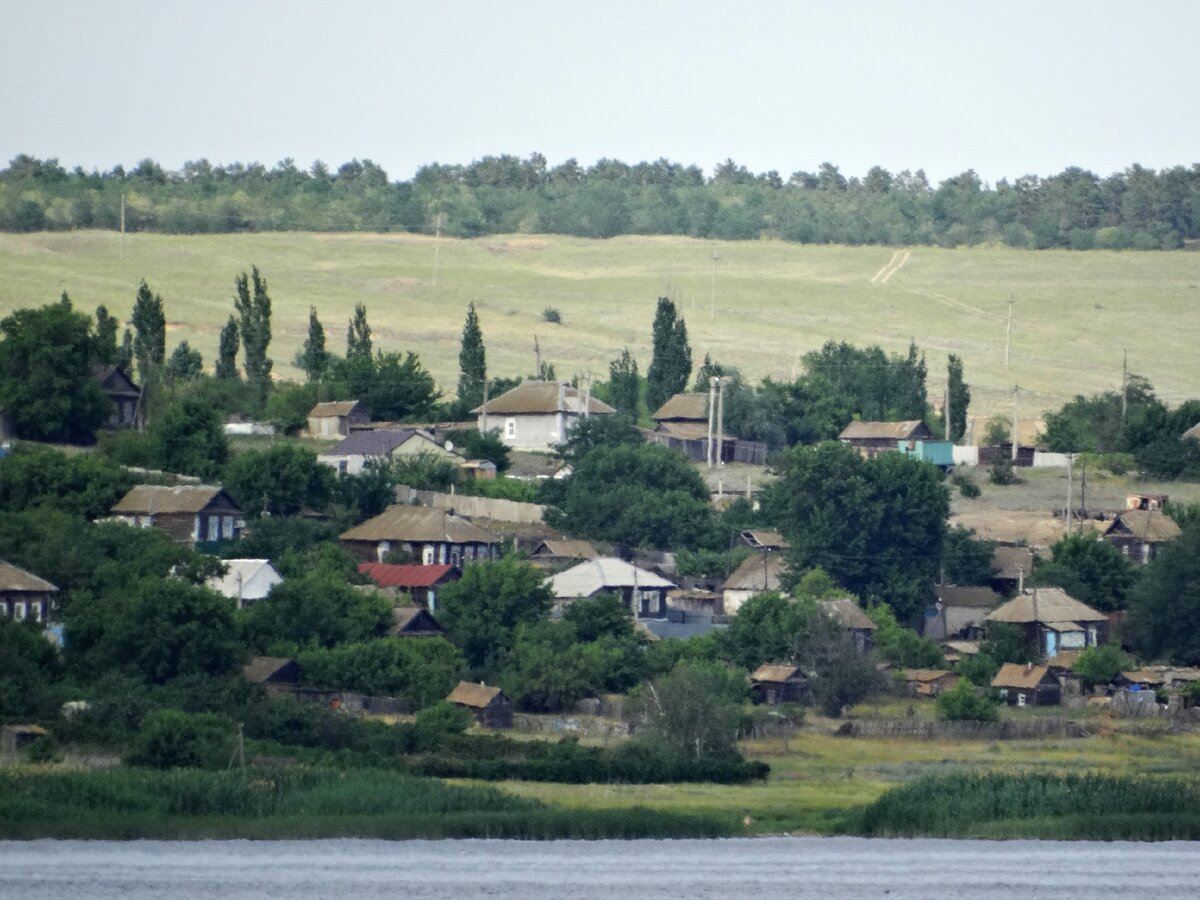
[(828, 868)]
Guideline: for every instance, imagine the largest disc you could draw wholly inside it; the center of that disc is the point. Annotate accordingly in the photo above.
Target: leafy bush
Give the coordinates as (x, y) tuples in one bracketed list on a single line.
[(170, 739), (1001, 473), (966, 703), (966, 487), (1101, 665), (978, 669), (552, 315)]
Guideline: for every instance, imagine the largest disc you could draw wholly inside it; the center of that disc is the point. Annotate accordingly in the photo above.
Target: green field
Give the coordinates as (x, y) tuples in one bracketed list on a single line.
[(1074, 315)]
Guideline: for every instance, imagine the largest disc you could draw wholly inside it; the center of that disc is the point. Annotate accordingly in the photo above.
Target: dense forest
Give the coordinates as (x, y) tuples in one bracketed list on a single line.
[(1138, 208)]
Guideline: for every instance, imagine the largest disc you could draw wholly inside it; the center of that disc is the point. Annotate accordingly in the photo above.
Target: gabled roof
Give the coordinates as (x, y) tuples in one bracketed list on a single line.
[(758, 572), (379, 442), (240, 574), (565, 549), (115, 382), (413, 620), (1193, 432), (899, 431), (1009, 562), (848, 614), (686, 407), (476, 696), (261, 668), (541, 397), (1149, 525), (966, 595), (765, 539), (1016, 675), (925, 675), (603, 573), (964, 648), (388, 575), (156, 499), (1053, 605), (336, 408), (776, 673), (419, 524), (14, 579)]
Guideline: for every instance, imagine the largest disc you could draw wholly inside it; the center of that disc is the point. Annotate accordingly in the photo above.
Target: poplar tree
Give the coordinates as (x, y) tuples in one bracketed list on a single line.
[(472, 362), (358, 334), (959, 395), (227, 350), (106, 336), (124, 357), (624, 384), (314, 359), (671, 365), (149, 332), (253, 306)]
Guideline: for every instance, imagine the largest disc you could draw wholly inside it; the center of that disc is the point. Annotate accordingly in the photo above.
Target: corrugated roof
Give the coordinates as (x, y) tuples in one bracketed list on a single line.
[(966, 595), (774, 672), (476, 696), (899, 431), (15, 579), (154, 499), (335, 408), (1149, 525), (688, 407), (603, 573), (377, 442), (1009, 562), (418, 524), (388, 575), (546, 397), (1016, 675), (765, 539), (758, 572), (1053, 605), (848, 614)]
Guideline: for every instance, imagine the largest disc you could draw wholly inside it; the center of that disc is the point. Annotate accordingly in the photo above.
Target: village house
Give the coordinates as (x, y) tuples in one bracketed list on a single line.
[(929, 682), (124, 394), (428, 536), (380, 445), (775, 684), (190, 514), (415, 622), (644, 593), (958, 612), (1027, 685), (278, 674), (1139, 533), (847, 613), (682, 423), (1052, 621), (553, 552), (25, 596), (422, 583), (764, 540), (873, 438), (536, 415), (337, 418), (1010, 567), (489, 705), (757, 574), (245, 581)]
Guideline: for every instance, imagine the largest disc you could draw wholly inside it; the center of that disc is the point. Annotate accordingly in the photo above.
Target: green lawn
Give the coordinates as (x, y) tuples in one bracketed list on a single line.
[(1074, 313)]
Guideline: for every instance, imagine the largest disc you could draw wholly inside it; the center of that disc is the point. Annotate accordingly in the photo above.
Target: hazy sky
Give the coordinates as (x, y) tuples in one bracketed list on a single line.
[(1006, 88)]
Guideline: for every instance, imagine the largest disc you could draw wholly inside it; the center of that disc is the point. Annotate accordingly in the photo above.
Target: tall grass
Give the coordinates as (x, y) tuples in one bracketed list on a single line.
[(1039, 805), (298, 803)]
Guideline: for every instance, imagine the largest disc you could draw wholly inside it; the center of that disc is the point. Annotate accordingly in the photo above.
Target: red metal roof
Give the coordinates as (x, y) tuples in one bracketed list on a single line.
[(392, 575)]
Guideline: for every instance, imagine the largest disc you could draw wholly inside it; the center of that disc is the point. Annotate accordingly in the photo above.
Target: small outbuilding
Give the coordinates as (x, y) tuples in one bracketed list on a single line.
[(758, 573), (929, 682), (381, 445), (1139, 533), (644, 592), (337, 418), (1027, 685), (853, 620), (773, 684), (489, 705), (14, 738)]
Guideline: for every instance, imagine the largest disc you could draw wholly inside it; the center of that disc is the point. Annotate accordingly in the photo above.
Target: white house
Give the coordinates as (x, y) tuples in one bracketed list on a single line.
[(536, 415), (644, 592), (756, 575), (352, 454), (246, 580)]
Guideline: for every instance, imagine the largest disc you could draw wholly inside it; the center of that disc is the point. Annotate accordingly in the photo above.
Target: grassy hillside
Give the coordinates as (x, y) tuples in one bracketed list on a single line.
[(1074, 313)]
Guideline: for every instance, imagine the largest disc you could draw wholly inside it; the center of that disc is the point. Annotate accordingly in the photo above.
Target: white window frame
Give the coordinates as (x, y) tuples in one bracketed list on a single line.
[(510, 429)]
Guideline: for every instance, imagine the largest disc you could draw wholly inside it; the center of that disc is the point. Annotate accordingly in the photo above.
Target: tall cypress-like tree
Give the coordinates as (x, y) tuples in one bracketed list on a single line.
[(314, 358), (106, 336), (472, 362), (149, 332), (959, 393), (124, 357), (227, 350), (254, 311), (624, 383), (671, 365), (358, 334)]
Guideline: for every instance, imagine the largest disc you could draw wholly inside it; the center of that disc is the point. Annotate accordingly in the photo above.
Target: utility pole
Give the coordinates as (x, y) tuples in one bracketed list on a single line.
[(437, 244), (1083, 488), (1008, 335), (720, 421), (1124, 385), (946, 410), (537, 358), (483, 410), (122, 225), (1015, 430), (1070, 480), (712, 411), (712, 300), (587, 394)]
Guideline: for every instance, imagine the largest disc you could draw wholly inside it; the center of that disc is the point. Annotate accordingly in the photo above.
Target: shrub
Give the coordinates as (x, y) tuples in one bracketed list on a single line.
[(966, 487), (1001, 472), (552, 315), (966, 703), (170, 739), (1101, 665), (44, 750)]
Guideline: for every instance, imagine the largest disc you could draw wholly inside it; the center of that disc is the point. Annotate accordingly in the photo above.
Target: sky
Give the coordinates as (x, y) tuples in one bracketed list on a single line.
[(1005, 88)]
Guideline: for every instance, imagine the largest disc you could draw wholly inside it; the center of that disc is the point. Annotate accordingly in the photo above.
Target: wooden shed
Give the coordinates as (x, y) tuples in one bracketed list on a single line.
[(775, 684), (489, 705), (1027, 685), (14, 738), (929, 682), (327, 420)]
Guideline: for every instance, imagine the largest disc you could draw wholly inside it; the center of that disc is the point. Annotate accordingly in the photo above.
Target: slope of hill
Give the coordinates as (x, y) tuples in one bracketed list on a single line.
[(1074, 313)]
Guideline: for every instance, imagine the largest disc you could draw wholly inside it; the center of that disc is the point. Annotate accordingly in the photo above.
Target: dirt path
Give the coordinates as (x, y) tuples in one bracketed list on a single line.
[(899, 258)]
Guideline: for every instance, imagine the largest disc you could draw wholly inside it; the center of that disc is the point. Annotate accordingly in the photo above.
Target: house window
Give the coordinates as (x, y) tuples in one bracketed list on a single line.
[(36, 610), (456, 556), (19, 611), (1020, 699), (341, 467), (214, 527), (227, 527), (510, 428), (427, 555)]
